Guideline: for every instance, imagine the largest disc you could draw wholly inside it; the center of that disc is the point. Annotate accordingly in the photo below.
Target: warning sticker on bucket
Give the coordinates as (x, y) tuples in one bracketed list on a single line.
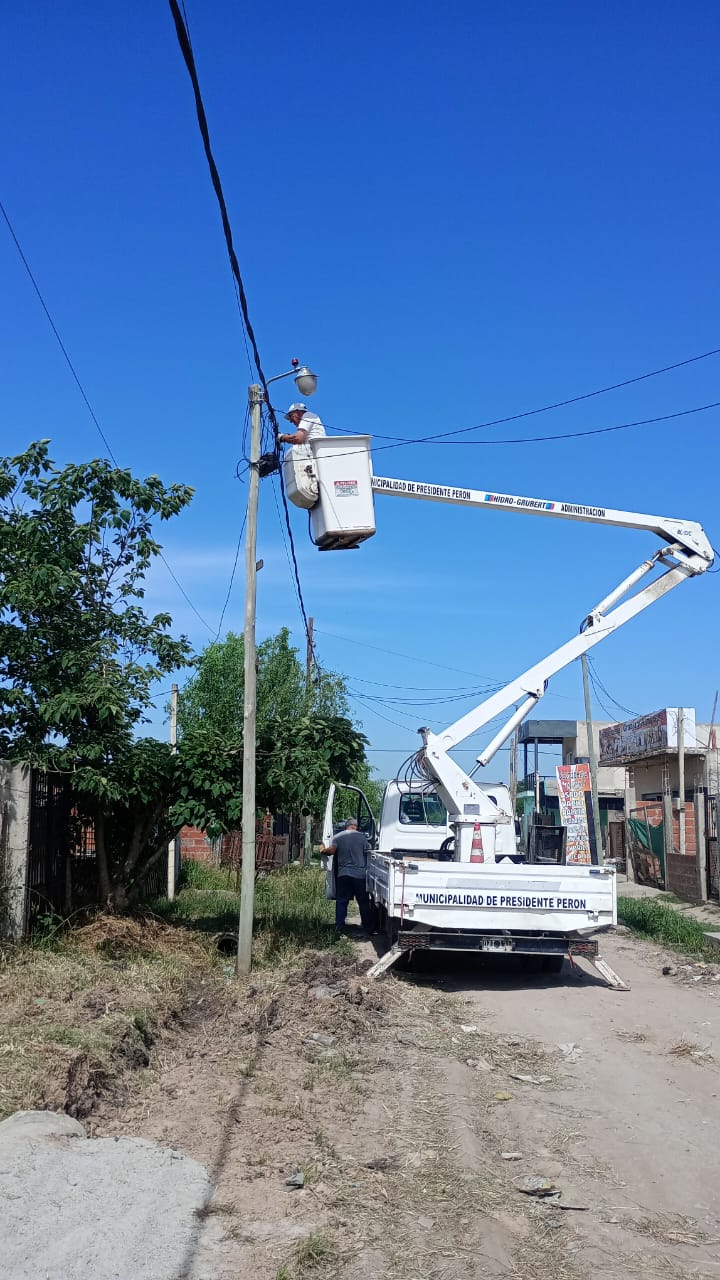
[(346, 488)]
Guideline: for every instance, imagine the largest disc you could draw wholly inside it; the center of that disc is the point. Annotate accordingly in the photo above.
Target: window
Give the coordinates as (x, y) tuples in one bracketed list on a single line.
[(423, 809)]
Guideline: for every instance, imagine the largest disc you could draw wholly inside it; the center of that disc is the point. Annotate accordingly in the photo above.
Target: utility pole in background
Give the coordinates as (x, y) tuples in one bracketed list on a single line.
[(513, 768), (681, 780), (247, 884), (309, 664), (172, 846), (593, 761)]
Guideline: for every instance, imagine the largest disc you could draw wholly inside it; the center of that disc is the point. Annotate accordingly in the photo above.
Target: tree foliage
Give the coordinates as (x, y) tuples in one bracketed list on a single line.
[(79, 656), (213, 696), (78, 653), (299, 758)]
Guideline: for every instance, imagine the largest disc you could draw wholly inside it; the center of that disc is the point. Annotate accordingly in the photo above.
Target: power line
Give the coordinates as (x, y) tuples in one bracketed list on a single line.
[(60, 342), (564, 435), (408, 657), (187, 52), (232, 578), (559, 404), (184, 593), (595, 679), (88, 405)]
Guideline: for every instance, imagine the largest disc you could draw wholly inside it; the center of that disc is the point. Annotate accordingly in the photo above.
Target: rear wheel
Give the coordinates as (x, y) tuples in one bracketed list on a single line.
[(553, 964)]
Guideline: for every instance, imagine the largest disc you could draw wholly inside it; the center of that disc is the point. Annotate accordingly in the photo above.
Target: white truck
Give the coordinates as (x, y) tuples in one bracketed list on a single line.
[(472, 888)]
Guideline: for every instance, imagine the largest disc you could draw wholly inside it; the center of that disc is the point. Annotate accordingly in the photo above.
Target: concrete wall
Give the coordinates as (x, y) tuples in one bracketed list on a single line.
[(14, 836), (648, 776)]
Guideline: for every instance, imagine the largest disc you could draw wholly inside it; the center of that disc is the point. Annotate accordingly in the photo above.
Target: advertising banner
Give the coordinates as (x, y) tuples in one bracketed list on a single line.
[(648, 735), (575, 796)]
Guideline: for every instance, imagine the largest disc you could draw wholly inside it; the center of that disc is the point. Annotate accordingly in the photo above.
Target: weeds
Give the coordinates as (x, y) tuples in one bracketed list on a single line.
[(315, 1251), (652, 919), (291, 911)]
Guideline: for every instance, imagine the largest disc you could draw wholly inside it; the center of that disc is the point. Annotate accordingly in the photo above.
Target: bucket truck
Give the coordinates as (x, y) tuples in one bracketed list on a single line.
[(471, 889)]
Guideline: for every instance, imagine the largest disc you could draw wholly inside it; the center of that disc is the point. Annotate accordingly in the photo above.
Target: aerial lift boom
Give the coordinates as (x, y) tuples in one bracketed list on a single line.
[(340, 488)]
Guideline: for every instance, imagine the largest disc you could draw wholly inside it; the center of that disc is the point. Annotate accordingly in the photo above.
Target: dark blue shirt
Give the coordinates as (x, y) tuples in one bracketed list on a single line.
[(352, 853)]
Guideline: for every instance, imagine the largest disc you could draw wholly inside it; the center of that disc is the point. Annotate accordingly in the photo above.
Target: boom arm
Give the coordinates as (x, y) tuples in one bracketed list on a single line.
[(686, 553)]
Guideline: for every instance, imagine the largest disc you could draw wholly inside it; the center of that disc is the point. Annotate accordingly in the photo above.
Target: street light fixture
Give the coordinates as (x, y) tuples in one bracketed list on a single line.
[(305, 380), (306, 383)]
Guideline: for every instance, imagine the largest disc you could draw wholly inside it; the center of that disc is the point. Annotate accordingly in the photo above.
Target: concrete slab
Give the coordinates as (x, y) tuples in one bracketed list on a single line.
[(79, 1208)]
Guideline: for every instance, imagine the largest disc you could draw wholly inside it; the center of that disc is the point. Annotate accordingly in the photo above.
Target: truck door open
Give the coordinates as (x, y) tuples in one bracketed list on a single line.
[(345, 802)]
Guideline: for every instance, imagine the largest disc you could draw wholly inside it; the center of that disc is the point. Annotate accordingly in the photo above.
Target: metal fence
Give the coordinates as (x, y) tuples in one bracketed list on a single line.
[(646, 845), (712, 804)]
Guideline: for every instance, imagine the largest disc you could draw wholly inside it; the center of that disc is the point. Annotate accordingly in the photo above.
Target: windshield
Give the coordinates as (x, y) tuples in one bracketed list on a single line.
[(423, 809)]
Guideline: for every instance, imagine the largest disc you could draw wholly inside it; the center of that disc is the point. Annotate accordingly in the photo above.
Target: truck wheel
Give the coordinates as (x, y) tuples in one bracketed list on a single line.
[(553, 964)]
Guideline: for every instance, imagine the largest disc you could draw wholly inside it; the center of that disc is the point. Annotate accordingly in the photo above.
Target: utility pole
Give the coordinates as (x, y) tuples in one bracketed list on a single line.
[(247, 885), (513, 768), (593, 761), (309, 664), (172, 846), (681, 780)]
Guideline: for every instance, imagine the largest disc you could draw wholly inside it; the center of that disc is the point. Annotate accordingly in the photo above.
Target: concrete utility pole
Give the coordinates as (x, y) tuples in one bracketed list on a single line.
[(172, 847), (309, 664), (593, 761), (247, 885), (681, 780), (513, 769)]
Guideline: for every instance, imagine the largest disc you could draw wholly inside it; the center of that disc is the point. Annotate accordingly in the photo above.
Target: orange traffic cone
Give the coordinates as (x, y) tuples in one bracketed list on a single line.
[(476, 849)]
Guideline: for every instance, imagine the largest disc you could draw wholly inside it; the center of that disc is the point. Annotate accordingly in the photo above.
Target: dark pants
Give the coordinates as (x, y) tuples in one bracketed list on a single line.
[(347, 888)]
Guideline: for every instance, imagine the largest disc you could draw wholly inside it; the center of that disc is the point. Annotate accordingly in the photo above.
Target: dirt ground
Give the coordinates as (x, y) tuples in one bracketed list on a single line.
[(423, 1113)]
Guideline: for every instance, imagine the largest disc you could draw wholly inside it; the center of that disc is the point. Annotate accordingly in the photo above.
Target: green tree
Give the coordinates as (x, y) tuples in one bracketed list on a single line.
[(298, 758), (79, 654), (213, 696)]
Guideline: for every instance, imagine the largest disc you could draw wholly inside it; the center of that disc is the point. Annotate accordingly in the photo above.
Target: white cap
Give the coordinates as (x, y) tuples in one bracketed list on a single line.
[(295, 408)]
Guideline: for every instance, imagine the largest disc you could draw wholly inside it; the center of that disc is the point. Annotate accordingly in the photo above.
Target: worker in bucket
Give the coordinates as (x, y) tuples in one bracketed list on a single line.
[(307, 426), (351, 848)]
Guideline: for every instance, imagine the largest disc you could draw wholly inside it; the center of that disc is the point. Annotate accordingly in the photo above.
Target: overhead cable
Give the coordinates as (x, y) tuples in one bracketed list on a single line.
[(564, 435), (558, 404), (187, 52), (87, 403)]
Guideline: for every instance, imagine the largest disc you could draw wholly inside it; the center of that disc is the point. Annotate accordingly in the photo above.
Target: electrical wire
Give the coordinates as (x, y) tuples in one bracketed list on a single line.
[(429, 700), (87, 403), (232, 578), (596, 681), (408, 657), (564, 435), (60, 342), (558, 404), (189, 58)]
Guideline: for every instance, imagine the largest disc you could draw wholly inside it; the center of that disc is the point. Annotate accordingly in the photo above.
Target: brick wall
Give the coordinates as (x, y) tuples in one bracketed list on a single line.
[(682, 877), (690, 831), (195, 845)]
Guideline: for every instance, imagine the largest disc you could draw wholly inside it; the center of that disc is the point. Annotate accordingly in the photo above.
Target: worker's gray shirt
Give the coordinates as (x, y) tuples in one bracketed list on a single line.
[(352, 853)]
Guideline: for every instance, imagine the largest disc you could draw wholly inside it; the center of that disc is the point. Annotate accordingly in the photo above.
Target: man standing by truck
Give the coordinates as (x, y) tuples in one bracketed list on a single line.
[(351, 848)]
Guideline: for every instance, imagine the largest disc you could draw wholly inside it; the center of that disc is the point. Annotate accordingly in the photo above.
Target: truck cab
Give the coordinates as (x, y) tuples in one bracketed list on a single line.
[(413, 819)]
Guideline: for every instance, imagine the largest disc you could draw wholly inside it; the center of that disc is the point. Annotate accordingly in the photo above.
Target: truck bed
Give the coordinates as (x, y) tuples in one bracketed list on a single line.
[(566, 901)]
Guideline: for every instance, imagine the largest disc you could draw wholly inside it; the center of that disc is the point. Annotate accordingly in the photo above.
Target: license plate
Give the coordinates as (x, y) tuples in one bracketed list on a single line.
[(495, 944)]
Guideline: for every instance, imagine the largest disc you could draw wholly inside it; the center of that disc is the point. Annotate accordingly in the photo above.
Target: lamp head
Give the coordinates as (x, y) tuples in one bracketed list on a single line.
[(305, 381)]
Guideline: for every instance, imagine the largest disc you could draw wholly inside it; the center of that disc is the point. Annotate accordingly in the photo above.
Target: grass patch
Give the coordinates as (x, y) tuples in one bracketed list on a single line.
[(291, 910), (652, 919), (94, 997), (313, 1253)]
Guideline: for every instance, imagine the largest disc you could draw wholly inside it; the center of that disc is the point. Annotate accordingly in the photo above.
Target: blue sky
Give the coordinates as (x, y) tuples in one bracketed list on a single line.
[(453, 214)]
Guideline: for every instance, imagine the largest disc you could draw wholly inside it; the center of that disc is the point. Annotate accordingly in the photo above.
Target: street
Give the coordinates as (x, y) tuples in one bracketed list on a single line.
[(463, 1118)]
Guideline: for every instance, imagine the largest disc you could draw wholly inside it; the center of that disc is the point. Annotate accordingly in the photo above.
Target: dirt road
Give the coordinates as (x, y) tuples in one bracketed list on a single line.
[(393, 1105)]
